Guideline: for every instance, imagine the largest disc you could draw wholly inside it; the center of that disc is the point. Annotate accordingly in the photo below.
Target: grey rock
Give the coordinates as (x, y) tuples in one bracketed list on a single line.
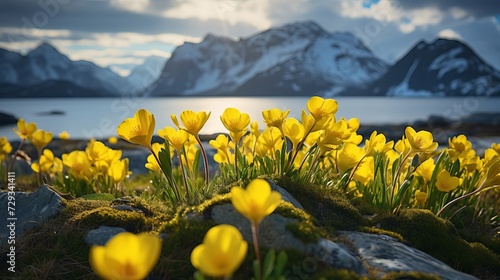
[(336, 255), (273, 234), (30, 210), (387, 254), (102, 235), (285, 195)]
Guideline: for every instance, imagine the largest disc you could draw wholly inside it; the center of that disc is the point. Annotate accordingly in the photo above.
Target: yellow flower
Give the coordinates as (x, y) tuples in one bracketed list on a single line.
[(40, 139), (402, 146), (333, 135), (349, 156), (97, 151), (257, 201), (496, 148), (139, 129), (236, 122), (193, 122), (425, 169), (254, 128), (118, 170), (5, 148), (221, 253), (294, 131), (24, 130), (445, 182), (44, 163), (176, 138), (460, 147), (274, 117), (365, 171), (421, 197), (421, 141), (79, 164), (64, 135), (321, 108), (126, 256), (377, 143), (471, 163), (112, 140), (269, 141)]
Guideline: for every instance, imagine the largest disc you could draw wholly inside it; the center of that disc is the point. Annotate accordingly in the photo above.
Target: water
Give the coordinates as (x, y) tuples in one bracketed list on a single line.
[(99, 117)]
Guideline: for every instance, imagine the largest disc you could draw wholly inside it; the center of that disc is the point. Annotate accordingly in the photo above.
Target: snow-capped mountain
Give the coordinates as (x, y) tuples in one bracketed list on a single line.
[(441, 68), (45, 65), (143, 75), (296, 59)]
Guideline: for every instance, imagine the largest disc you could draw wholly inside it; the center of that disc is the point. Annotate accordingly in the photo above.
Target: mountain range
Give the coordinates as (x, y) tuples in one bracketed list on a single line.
[(298, 59)]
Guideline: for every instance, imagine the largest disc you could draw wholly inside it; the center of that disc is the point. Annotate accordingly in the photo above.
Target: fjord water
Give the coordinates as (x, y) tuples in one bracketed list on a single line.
[(99, 117)]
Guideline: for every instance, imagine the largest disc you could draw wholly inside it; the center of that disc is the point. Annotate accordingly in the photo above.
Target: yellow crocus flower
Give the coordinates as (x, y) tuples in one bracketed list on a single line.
[(274, 117), (40, 139), (193, 122), (257, 201), (254, 128), (421, 197), (5, 148), (335, 134), (294, 131), (349, 156), (126, 256), (78, 164), (377, 143), (118, 170), (460, 147), (96, 151), (269, 141), (425, 169), (112, 140), (221, 253), (139, 129), (44, 163), (321, 108), (445, 182), (365, 171), (421, 141), (176, 138), (24, 130), (236, 122), (64, 135)]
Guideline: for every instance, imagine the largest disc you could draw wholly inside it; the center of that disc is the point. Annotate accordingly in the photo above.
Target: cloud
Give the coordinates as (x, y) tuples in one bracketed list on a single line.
[(449, 34)]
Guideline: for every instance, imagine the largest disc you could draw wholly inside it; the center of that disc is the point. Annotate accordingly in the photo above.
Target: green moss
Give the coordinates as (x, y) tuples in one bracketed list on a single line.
[(409, 276), (332, 210), (439, 238), (340, 274), (375, 230)]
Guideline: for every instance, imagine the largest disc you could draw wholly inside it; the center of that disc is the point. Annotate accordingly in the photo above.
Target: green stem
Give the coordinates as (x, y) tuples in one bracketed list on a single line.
[(183, 174), (205, 158), (478, 190), (396, 175)]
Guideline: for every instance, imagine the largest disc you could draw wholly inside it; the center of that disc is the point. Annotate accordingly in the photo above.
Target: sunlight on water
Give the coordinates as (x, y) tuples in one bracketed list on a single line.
[(99, 117)]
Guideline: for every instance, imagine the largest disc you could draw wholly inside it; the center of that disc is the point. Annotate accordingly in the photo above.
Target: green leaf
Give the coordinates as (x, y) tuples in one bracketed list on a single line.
[(279, 266), (99, 196), (268, 267), (256, 270)]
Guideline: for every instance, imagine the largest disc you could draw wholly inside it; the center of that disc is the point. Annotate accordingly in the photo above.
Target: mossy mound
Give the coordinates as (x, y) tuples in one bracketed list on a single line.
[(439, 238), (333, 211)]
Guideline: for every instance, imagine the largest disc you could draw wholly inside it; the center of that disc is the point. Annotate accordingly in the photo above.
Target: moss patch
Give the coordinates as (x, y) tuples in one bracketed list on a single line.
[(439, 238), (331, 210)]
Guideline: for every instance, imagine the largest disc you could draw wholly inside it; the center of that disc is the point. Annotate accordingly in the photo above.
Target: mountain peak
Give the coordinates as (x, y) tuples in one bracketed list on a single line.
[(44, 48)]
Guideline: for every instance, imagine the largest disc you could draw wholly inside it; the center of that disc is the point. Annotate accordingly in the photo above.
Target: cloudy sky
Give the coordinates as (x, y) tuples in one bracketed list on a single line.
[(122, 33)]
